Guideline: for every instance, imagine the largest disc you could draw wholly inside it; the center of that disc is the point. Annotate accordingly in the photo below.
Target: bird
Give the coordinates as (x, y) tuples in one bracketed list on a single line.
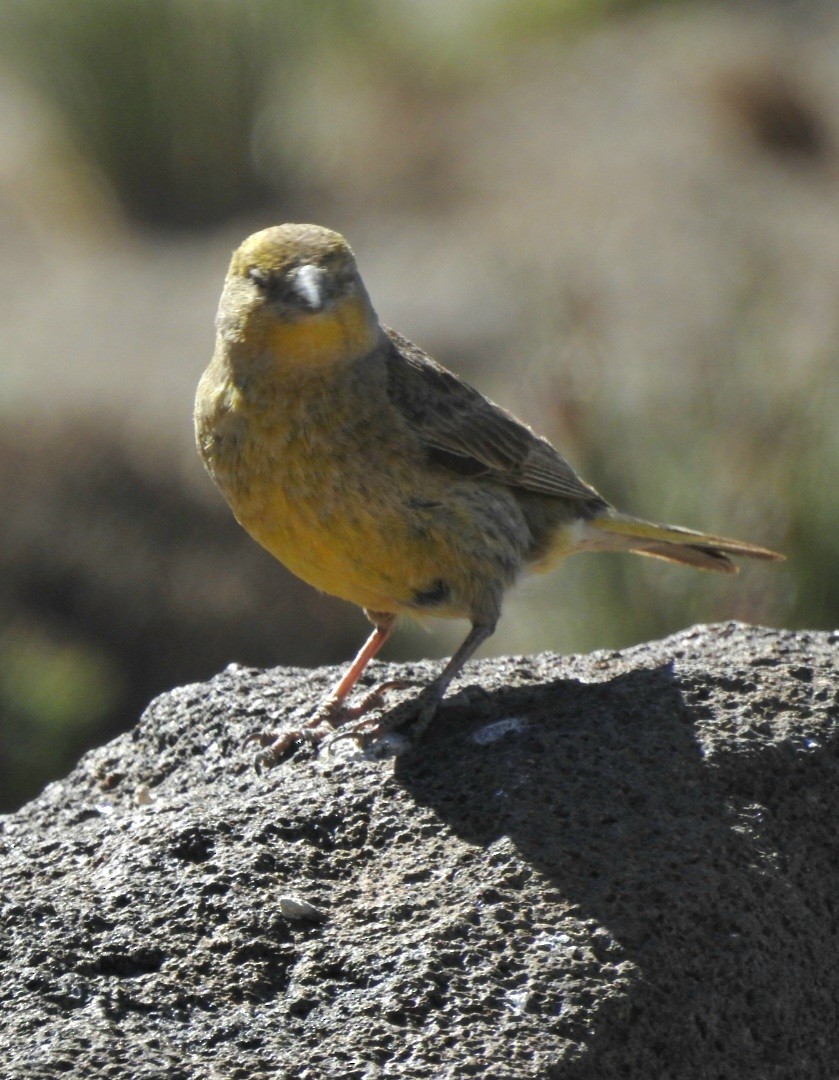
[(378, 476)]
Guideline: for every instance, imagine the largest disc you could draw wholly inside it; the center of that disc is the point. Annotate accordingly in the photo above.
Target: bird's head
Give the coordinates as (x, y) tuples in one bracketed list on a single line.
[(295, 290)]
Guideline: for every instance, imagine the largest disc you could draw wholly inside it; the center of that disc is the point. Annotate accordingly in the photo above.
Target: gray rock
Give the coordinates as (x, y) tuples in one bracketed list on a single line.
[(615, 865)]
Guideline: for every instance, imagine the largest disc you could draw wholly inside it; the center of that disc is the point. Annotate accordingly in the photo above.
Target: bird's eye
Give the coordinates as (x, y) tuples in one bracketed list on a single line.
[(258, 277)]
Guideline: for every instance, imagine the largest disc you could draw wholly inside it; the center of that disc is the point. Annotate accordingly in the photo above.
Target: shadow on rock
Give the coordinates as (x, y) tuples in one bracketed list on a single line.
[(697, 868)]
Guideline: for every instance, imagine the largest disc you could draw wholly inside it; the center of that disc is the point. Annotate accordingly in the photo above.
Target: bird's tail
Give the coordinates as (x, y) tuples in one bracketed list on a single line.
[(621, 532)]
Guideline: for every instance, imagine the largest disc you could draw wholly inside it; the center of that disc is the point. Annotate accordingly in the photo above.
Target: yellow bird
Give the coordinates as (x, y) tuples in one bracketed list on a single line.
[(377, 475)]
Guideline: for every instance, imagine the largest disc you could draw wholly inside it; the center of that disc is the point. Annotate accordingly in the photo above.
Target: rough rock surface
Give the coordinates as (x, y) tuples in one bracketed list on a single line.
[(615, 865)]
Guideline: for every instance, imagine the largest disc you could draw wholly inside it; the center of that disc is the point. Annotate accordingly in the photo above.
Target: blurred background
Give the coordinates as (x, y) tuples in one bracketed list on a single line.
[(619, 219)]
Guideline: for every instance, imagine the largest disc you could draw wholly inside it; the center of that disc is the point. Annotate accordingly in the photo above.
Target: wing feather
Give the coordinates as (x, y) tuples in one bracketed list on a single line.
[(469, 434)]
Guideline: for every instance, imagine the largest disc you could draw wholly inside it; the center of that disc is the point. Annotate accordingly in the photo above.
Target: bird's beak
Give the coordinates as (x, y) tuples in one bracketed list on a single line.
[(310, 284)]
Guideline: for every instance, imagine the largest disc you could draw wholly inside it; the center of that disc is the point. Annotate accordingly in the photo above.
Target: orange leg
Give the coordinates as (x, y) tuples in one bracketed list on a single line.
[(384, 627)]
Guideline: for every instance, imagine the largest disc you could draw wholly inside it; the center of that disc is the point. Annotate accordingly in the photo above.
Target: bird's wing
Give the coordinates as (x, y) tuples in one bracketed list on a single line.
[(467, 433)]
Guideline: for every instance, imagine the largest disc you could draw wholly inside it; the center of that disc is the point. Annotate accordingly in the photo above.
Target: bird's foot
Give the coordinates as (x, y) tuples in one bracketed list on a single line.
[(275, 748), (329, 720), (374, 700), (415, 715)]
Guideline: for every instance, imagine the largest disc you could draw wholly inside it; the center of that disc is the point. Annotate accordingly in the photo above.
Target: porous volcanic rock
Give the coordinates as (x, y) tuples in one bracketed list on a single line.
[(617, 865)]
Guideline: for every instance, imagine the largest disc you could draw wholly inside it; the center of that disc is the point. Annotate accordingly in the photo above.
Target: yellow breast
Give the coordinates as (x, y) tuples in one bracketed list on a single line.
[(324, 485)]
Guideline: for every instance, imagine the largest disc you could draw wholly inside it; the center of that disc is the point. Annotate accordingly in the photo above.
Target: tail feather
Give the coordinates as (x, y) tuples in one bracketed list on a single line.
[(672, 542)]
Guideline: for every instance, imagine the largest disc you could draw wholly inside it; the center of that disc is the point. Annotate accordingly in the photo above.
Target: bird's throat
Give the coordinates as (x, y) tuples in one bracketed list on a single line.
[(338, 335)]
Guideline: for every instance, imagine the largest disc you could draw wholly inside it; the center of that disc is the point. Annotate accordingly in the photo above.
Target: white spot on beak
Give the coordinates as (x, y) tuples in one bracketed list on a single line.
[(309, 282)]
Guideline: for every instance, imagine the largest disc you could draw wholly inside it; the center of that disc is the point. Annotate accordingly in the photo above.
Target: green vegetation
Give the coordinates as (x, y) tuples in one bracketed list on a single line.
[(54, 696)]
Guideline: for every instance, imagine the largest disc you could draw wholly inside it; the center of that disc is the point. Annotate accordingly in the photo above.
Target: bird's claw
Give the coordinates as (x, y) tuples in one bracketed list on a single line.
[(327, 724), (414, 715), (275, 748), (374, 699)]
